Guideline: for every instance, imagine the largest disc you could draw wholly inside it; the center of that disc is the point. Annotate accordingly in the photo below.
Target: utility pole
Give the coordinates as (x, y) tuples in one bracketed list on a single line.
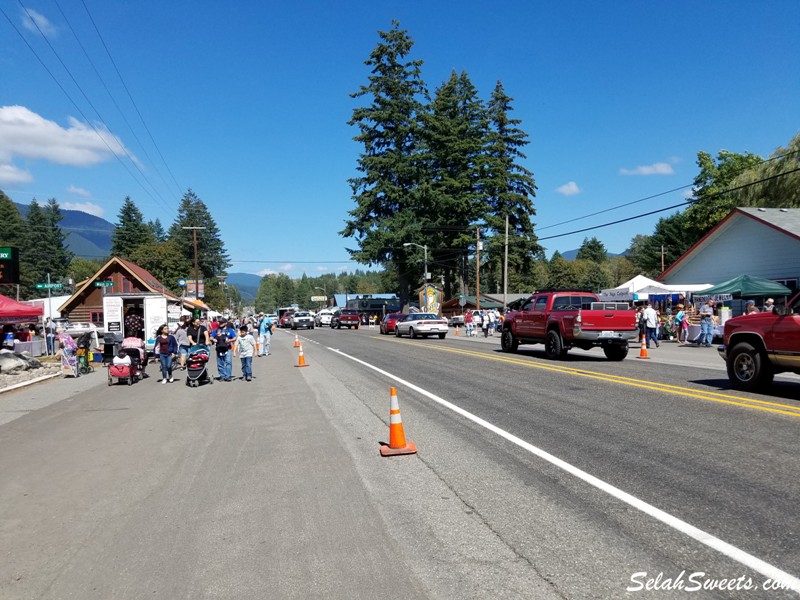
[(505, 272), (196, 273), (477, 268), (662, 258)]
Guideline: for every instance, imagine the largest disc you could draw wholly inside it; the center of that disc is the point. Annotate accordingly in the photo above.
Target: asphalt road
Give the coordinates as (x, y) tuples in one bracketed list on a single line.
[(275, 488)]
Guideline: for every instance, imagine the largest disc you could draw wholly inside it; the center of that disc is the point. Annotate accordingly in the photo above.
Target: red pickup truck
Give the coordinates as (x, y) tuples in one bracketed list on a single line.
[(565, 319), (757, 346)]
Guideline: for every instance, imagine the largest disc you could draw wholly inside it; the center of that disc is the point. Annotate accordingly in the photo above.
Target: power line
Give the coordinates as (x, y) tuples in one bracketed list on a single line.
[(69, 97), (130, 96), (690, 201)]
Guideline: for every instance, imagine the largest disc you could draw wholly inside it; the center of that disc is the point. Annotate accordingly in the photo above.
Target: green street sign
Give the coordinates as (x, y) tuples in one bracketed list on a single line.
[(54, 286), (103, 283)]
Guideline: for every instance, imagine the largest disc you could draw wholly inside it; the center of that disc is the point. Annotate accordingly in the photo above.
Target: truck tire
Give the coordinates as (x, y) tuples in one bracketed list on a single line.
[(554, 346), (615, 351), (748, 368), (508, 341)]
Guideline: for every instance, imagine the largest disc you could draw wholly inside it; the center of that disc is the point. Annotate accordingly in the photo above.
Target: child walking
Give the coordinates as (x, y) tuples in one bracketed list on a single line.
[(246, 347)]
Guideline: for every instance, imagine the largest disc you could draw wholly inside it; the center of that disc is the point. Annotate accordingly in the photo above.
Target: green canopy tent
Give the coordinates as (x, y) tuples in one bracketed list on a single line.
[(747, 285)]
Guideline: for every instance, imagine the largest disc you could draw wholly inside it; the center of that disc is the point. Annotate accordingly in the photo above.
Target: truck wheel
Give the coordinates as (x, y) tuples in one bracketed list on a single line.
[(553, 346), (508, 341), (748, 369), (441, 336), (615, 352)]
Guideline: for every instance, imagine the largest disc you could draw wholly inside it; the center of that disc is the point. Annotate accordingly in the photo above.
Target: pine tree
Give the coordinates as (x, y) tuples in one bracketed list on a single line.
[(44, 250), (455, 130), (12, 225), (131, 231), (212, 259), (158, 230), (592, 249), (386, 187), (509, 188)]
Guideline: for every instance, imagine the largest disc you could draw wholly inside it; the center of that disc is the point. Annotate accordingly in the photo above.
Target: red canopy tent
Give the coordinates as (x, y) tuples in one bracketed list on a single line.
[(12, 311)]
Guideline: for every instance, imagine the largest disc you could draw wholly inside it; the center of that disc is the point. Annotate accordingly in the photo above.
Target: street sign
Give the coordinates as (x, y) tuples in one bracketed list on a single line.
[(461, 300), (319, 298), (103, 283), (54, 286), (9, 265)]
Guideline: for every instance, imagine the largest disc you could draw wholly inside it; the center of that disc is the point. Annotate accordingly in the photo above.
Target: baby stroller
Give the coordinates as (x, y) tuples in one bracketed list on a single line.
[(83, 353), (197, 366), (134, 347)]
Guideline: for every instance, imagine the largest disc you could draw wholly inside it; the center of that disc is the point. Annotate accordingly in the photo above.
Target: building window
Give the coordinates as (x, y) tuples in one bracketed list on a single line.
[(790, 283), (96, 317)]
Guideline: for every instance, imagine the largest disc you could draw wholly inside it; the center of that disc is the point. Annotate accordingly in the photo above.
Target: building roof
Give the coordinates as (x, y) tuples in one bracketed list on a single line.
[(783, 220)]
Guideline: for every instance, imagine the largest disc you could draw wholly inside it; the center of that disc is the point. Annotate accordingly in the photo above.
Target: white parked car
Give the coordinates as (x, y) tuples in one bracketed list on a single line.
[(421, 324)]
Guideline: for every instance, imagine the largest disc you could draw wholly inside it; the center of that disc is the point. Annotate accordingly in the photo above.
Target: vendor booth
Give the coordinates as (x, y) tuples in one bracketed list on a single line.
[(18, 313)]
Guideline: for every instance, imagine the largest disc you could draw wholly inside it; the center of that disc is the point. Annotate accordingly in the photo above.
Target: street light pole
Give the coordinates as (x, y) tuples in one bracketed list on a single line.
[(196, 274), (324, 291), (425, 248)]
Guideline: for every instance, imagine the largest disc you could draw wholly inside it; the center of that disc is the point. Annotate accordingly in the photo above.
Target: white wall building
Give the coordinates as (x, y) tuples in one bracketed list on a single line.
[(764, 242)]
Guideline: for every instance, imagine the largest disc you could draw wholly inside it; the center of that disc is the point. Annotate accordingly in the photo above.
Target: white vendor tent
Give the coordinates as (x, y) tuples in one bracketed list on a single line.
[(635, 289)]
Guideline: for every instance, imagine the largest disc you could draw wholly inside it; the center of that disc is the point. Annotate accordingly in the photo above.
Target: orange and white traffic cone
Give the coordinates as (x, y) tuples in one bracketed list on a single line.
[(296, 341), (643, 351), (456, 330), (397, 439), (301, 361)]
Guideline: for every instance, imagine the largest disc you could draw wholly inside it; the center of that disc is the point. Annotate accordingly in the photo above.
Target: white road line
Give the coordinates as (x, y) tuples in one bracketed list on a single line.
[(774, 573)]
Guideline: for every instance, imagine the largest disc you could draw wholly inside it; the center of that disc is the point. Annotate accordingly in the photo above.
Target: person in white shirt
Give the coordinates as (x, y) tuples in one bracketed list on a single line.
[(651, 324), (121, 359)]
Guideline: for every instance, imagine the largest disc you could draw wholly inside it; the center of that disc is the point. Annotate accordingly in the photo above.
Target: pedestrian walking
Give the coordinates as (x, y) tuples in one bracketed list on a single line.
[(245, 347), (492, 318), (183, 345), (651, 324), (681, 325), (707, 323), (477, 321), (165, 348), (224, 338), (468, 323), (264, 335), (50, 336)]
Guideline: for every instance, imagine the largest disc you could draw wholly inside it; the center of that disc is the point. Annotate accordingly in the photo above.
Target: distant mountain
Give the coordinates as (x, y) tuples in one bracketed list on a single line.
[(88, 236), (573, 254), (246, 283)]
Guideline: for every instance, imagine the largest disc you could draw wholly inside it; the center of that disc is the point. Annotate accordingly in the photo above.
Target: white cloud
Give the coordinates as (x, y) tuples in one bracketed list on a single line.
[(286, 268), (79, 191), (688, 194), (36, 22), (24, 133), (660, 168), (569, 189), (87, 207), (264, 272), (11, 174)]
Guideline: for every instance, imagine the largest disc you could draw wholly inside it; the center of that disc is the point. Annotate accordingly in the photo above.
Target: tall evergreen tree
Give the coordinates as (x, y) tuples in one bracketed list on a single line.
[(509, 188), (12, 225), (212, 259), (158, 230), (451, 200), (388, 180), (130, 232), (592, 249), (44, 250)]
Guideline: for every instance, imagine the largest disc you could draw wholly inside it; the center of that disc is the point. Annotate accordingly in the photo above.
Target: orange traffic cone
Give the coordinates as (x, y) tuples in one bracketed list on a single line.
[(643, 351), (296, 341), (456, 330), (397, 439), (301, 361)]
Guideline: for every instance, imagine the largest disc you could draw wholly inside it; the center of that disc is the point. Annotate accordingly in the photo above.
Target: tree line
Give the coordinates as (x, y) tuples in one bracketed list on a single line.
[(444, 170), (168, 255)]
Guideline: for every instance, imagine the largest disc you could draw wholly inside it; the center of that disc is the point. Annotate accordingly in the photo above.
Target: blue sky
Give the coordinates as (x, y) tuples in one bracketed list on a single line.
[(248, 104)]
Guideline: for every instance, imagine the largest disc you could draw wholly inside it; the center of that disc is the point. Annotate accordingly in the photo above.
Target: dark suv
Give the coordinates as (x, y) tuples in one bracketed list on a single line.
[(345, 317)]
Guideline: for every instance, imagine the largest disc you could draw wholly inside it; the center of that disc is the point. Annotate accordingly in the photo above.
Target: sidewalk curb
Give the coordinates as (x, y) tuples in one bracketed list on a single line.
[(23, 384)]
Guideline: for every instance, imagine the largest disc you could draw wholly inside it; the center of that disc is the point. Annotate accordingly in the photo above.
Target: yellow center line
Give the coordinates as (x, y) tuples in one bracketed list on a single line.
[(773, 407)]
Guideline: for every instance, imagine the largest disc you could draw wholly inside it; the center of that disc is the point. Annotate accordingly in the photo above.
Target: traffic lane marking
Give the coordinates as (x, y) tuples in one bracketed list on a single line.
[(740, 401), (737, 554)]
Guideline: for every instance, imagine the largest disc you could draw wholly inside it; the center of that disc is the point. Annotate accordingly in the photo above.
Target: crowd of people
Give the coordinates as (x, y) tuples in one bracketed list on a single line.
[(655, 326), (486, 321)]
